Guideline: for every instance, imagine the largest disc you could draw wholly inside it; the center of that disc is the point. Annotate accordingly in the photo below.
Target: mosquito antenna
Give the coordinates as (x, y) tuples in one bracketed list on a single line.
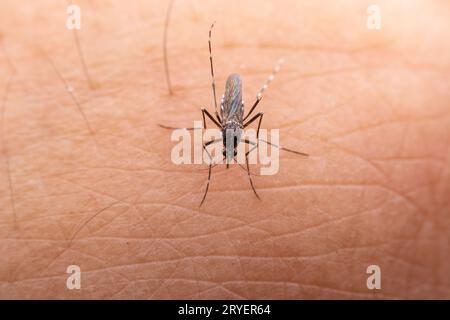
[(212, 70)]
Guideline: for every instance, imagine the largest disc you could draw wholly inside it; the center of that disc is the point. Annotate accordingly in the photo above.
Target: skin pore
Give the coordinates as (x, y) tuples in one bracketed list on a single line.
[(86, 177)]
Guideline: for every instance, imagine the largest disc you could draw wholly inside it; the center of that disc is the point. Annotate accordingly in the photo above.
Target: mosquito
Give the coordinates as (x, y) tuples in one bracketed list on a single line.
[(231, 120)]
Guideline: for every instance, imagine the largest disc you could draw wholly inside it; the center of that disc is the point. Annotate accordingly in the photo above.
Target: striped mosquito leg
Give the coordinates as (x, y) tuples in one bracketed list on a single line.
[(284, 149), (265, 86), (210, 166), (254, 144), (207, 185), (249, 175), (276, 69)]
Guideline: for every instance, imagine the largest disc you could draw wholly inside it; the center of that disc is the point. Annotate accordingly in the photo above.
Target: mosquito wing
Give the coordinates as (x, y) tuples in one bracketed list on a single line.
[(232, 108)]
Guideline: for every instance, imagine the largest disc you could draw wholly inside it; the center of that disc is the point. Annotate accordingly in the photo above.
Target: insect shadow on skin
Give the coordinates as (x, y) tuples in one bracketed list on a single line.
[(231, 120)]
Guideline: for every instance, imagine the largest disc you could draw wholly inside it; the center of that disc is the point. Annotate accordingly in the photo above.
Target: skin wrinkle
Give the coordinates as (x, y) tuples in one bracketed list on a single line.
[(5, 150), (236, 229), (118, 266), (5, 53), (75, 100), (93, 217), (82, 60), (162, 245)]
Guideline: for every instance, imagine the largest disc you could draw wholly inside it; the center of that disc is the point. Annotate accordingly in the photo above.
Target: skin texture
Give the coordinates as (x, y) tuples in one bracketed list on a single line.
[(86, 177)]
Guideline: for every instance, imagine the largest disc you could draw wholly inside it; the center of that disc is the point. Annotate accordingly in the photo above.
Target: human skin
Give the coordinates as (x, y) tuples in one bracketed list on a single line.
[(86, 177)]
